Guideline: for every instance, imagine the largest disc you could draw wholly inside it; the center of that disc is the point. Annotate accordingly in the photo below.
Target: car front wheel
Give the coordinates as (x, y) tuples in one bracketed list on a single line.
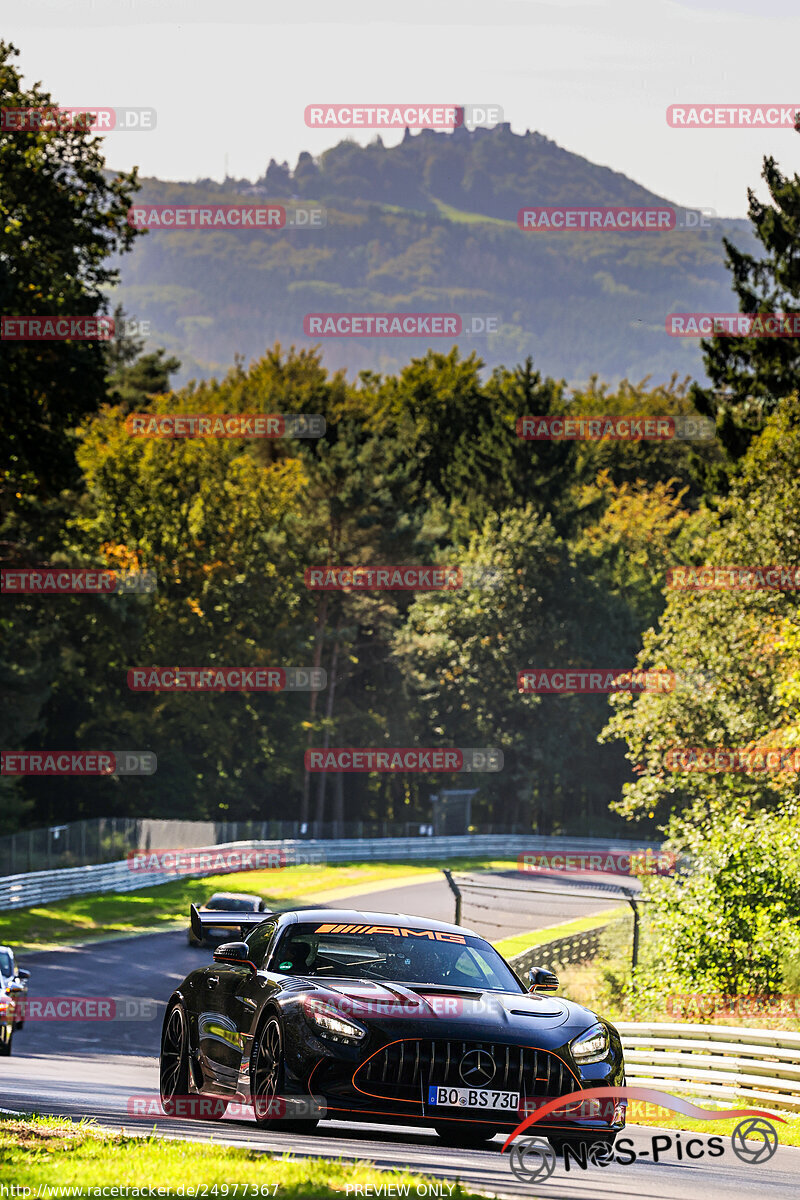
[(174, 1063), (267, 1074)]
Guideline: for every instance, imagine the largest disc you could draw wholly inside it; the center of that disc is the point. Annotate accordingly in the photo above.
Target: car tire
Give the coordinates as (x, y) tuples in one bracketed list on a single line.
[(174, 1059), (5, 1045), (463, 1134), (267, 1074)]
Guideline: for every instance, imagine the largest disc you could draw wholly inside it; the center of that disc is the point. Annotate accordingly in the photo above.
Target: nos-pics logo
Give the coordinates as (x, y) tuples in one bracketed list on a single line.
[(533, 1160)]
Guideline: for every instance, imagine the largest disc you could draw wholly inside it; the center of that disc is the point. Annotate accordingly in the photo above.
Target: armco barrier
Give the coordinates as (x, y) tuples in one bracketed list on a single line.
[(721, 1062), (35, 887), (566, 951)]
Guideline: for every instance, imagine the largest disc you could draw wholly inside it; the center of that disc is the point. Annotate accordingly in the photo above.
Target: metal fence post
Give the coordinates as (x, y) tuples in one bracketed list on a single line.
[(631, 898), (456, 890)]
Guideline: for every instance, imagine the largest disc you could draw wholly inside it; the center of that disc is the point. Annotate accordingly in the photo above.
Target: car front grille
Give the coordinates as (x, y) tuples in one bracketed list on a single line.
[(401, 1069)]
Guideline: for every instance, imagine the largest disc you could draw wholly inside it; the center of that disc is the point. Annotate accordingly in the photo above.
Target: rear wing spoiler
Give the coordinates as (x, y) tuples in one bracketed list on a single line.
[(243, 921)]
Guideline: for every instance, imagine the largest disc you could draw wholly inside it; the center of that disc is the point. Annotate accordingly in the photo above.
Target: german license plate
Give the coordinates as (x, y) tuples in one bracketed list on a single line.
[(486, 1098)]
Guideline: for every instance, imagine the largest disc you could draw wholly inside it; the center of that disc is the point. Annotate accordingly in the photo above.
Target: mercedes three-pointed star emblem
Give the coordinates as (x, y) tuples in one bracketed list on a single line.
[(477, 1068)]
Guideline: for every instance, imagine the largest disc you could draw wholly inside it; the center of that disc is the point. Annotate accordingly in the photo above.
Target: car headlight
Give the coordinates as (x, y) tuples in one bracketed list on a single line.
[(325, 1017), (591, 1046)]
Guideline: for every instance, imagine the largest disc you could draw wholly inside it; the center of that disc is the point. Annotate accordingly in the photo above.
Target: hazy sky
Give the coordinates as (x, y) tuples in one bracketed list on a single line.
[(594, 75)]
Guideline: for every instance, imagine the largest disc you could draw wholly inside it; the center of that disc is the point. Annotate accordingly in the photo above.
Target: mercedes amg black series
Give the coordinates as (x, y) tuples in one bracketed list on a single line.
[(362, 1016)]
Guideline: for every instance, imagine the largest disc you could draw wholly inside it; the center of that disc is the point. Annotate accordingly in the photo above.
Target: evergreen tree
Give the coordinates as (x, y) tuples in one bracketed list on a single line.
[(752, 375), (61, 217)]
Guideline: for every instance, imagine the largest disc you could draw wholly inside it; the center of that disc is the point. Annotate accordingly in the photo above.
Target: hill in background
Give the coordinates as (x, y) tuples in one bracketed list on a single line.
[(430, 225)]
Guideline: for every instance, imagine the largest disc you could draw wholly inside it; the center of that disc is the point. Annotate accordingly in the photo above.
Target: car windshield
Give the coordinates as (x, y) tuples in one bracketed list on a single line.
[(6, 962), (233, 904), (396, 954)]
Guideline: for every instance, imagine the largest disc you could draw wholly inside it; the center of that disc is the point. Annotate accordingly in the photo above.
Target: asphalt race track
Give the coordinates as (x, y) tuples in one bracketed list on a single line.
[(108, 1069)]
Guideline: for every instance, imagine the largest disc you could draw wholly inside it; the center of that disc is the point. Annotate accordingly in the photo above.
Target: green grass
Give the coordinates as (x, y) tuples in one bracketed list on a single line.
[(85, 918), (662, 1118), (470, 218), (52, 1151), (519, 942)]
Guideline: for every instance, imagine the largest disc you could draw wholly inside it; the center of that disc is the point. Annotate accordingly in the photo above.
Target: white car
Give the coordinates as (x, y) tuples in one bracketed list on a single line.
[(14, 984)]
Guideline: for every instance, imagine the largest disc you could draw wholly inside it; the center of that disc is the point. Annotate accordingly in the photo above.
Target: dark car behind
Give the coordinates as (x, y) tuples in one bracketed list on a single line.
[(225, 902)]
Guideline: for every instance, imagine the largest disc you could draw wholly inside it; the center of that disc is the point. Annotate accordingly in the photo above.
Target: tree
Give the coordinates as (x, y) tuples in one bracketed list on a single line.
[(461, 651), (730, 922), (210, 521), (741, 643), (633, 540), (61, 218), (131, 385), (750, 376), (306, 176), (278, 179)]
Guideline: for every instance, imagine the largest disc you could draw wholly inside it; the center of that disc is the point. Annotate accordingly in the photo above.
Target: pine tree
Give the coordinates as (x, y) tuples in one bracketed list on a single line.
[(62, 217), (752, 375)]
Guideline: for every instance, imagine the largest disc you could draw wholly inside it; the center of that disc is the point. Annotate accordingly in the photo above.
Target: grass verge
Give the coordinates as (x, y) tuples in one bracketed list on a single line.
[(663, 1118), (519, 942), (51, 1151), (148, 910), (604, 984)]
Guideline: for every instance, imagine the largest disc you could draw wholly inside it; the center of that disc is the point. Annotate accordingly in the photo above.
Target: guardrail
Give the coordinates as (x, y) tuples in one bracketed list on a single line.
[(108, 839), (36, 887), (726, 1062), (575, 948)]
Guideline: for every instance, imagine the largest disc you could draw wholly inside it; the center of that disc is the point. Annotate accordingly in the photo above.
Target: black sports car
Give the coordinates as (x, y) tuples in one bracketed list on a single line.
[(225, 902), (383, 1018)]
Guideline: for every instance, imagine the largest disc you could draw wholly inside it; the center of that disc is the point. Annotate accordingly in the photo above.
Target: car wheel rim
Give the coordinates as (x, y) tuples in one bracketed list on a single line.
[(172, 1052), (267, 1066)]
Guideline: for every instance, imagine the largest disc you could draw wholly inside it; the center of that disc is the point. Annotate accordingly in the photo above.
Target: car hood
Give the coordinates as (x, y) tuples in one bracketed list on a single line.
[(438, 1011)]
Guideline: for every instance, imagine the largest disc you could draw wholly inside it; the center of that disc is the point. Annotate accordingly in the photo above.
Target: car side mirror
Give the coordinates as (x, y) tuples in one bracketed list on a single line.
[(23, 974), (234, 953), (542, 980)]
